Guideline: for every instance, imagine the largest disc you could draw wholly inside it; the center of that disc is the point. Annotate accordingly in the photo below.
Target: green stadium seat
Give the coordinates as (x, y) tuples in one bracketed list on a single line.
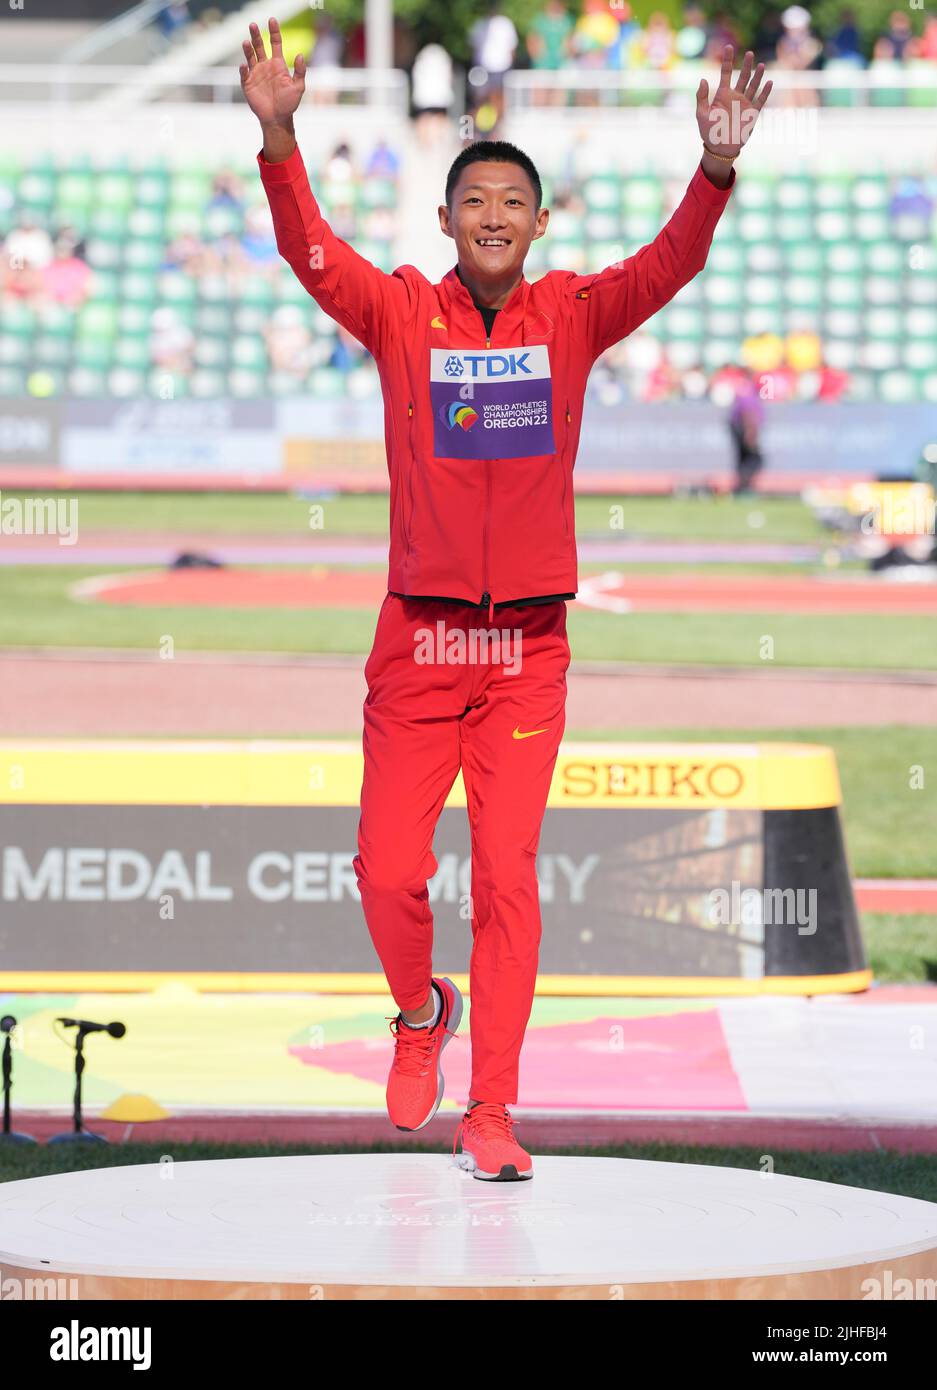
[(207, 384), (146, 222), (845, 291), (602, 193), (97, 320), (764, 258), (176, 288), (136, 288), (880, 355), (921, 323), (898, 387), (885, 258), (247, 385), (882, 289), (115, 191), (94, 353), (884, 324), (125, 383), (873, 225), (841, 353), (12, 381), (133, 352), (86, 381), (143, 255), (725, 323), (844, 258), (804, 291), (833, 224), (51, 351), (920, 355), (644, 195), (804, 257), (842, 323), (104, 254)]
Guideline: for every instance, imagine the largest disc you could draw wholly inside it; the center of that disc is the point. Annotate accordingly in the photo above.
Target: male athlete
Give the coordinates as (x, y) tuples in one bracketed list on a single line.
[(483, 378)]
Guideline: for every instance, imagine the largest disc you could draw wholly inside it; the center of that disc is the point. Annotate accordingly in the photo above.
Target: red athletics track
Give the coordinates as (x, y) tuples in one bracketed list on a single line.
[(614, 592)]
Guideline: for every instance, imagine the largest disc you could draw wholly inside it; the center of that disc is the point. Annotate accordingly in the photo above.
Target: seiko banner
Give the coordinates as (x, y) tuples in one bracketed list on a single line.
[(655, 862)]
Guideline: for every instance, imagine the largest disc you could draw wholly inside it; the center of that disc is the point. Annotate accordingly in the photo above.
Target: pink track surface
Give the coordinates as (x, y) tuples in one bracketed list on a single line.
[(80, 692), (321, 587)]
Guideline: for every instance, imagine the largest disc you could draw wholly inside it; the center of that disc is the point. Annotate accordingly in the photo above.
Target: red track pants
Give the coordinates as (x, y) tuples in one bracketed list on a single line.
[(499, 715)]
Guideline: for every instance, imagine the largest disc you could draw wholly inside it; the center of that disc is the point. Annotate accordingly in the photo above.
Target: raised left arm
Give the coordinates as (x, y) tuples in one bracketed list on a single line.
[(624, 295)]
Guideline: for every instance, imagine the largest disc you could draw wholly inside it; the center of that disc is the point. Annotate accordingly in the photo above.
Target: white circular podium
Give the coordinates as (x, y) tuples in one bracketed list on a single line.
[(414, 1226)]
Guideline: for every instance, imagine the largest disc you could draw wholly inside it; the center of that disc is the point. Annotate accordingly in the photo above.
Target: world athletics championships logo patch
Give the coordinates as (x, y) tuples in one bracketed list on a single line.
[(457, 413)]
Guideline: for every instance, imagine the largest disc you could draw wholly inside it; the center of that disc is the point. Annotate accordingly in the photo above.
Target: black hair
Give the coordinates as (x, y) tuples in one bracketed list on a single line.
[(493, 152)]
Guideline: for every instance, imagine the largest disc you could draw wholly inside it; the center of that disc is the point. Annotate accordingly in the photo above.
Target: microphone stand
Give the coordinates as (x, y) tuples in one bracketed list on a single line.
[(78, 1132), (11, 1136)]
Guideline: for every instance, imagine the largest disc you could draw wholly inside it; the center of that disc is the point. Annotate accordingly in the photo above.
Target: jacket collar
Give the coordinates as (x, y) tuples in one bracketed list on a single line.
[(460, 305)]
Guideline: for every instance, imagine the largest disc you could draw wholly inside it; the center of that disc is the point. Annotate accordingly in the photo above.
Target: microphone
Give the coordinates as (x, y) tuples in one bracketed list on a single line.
[(116, 1030)]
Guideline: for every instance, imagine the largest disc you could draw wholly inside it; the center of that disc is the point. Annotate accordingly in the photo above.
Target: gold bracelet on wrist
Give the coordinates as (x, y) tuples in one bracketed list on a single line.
[(728, 158)]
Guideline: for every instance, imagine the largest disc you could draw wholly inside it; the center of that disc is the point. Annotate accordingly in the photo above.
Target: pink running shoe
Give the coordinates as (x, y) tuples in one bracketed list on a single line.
[(489, 1149), (416, 1084)]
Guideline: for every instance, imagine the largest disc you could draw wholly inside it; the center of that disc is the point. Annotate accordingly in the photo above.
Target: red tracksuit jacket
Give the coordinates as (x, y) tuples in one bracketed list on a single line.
[(482, 435)]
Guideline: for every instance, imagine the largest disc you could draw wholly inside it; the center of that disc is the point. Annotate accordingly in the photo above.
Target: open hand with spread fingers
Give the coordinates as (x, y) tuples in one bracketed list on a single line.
[(726, 122), (271, 90)]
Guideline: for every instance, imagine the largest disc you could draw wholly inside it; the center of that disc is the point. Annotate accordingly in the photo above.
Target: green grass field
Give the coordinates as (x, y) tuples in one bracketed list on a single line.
[(36, 611), (908, 1175), (775, 519)]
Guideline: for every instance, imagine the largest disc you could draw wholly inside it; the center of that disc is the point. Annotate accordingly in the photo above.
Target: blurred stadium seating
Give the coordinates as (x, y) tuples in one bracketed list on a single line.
[(834, 271)]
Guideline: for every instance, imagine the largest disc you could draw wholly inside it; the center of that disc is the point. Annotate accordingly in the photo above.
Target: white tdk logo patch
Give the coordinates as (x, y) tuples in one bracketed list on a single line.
[(492, 402)]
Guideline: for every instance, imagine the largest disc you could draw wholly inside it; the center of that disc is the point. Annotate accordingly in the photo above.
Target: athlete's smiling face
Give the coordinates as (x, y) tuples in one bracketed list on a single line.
[(493, 218)]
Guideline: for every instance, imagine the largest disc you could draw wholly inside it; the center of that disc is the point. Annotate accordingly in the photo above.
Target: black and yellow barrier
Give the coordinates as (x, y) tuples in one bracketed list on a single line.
[(663, 869)]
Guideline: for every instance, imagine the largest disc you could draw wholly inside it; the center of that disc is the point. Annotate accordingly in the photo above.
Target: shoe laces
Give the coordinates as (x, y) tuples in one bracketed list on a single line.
[(487, 1118), (413, 1047)]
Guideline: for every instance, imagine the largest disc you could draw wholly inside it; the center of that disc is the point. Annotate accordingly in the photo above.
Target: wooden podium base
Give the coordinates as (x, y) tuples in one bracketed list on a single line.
[(413, 1226)]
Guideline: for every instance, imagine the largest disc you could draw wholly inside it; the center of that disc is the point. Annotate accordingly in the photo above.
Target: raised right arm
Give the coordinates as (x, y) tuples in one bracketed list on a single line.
[(347, 286)]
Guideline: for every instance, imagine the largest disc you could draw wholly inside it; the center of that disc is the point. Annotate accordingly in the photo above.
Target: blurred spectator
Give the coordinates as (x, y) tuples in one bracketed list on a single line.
[(348, 353), (383, 162), (900, 33), (172, 343), (28, 245), (188, 253), (288, 341), (595, 35), (769, 33), (833, 384), (629, 30), (67, 278), (432, 93), (802, 350), (928, 48), (329, 45), (844, 44), (721, 32), (746, 417), (799, 50), (494, 42), (258, 241), (693, 35), (339, 168), (549, 35), (173, 19), (655, 47), (227, 191)]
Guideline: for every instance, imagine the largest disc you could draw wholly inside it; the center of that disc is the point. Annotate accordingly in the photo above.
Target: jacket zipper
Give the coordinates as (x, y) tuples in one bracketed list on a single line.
[(486, 596), (409, 514)]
